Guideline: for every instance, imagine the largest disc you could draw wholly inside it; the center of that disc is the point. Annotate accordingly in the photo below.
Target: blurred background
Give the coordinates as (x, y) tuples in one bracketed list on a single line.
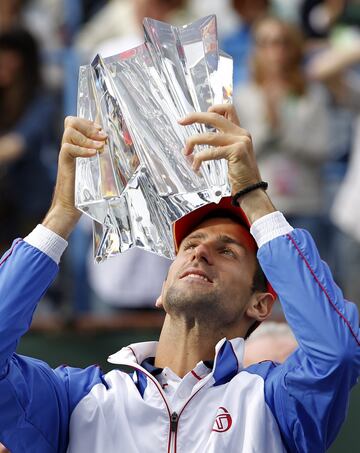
[(296, 89)]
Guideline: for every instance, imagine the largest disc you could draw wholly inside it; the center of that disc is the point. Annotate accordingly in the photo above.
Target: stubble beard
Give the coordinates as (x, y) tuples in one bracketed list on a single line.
[(204, 308)]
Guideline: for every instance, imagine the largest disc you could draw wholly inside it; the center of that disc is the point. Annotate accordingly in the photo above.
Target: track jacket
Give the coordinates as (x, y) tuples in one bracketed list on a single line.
[(298, 406)]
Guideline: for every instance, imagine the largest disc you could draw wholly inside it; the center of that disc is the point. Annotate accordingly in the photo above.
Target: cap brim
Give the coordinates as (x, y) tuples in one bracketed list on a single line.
[(184, 226)]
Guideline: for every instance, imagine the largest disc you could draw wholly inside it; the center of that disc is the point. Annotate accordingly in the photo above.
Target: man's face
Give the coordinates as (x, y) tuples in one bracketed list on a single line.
[(212, 275)]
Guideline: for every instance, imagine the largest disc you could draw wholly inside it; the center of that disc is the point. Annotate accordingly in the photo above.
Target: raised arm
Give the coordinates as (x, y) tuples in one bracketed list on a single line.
[(309, 393), (36, 401)]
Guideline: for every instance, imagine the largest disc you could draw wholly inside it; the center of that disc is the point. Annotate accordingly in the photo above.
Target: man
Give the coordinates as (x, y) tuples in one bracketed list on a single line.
[(189, 392)]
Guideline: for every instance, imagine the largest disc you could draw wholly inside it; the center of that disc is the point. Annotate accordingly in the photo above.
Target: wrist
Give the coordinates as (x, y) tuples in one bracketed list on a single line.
[(256, 204), (257, 185), (61, 221)]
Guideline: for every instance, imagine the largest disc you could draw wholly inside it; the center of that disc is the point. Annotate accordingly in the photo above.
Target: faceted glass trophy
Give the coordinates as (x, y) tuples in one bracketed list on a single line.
[(142, 183)]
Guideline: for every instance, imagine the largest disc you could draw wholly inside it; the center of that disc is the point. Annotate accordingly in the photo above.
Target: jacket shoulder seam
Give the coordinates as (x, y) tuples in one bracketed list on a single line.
[(322, 287)]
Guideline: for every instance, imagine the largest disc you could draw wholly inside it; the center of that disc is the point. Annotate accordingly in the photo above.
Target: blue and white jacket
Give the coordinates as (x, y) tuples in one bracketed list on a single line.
[(298, 406)]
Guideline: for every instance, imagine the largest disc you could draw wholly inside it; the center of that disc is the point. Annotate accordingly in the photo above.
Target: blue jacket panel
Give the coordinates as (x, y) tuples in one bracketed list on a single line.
[(35, 400)]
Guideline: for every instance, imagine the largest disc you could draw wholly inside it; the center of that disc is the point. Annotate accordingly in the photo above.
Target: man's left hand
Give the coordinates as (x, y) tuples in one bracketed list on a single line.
[(234, 144)]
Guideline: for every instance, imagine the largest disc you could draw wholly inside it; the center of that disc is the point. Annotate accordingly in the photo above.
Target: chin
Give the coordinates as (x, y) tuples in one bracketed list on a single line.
[(195, 303)]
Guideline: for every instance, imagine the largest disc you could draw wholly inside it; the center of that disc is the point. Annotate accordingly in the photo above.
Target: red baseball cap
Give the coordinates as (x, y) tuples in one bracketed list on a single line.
[(186, 224)]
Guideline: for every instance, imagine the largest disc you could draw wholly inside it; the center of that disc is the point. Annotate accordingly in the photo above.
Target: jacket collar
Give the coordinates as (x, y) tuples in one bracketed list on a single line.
[(135, 353), (227, 362)]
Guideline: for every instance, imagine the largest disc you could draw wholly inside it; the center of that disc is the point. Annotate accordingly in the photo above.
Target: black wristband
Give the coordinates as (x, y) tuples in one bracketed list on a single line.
[(259, 185)]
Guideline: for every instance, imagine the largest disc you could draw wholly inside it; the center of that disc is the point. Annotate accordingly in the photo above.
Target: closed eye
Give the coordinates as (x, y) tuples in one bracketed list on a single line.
[(227, 251), (189, 245)]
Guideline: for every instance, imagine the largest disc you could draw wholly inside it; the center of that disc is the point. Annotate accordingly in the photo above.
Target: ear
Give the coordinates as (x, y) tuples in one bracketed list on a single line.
[(159, 303), (260, 306)]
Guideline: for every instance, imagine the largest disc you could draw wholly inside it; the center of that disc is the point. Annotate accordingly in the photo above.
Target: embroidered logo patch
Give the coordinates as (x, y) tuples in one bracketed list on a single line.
[(223, 421)]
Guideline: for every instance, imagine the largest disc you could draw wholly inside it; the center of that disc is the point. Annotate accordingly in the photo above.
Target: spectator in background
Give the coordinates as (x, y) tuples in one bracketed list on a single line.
[(119, 24), (239, 44), (270, 341), (288, 122), (25, 118), (41, 17), (136, 278), (339, 68), (345, 215), (319, 16), (10, 14)]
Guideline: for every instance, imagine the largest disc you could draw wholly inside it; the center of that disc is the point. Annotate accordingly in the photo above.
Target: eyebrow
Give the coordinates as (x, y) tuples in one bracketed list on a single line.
[(229, 240), (224, 238), (196, 236)]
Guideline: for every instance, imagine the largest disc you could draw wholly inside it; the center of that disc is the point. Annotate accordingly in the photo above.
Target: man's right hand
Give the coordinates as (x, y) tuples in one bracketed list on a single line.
[(81, 138)]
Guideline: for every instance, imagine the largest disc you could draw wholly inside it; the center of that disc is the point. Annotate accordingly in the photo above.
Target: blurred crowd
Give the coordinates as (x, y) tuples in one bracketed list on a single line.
[(296, 89)]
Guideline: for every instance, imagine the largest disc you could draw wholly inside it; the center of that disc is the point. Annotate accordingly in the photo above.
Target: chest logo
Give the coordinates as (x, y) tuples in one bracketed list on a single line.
[(223, 421)]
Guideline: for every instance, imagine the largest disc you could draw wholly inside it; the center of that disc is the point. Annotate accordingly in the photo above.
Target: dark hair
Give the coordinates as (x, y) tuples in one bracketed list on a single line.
[(22, 42), (259, 285), (259, 281)]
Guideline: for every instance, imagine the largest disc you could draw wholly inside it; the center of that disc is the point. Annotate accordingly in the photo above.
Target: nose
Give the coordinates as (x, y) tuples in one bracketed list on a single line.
[(202, 252)]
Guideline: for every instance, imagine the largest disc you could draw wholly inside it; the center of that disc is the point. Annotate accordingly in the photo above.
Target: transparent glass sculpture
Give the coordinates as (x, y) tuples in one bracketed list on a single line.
[(142, 183)]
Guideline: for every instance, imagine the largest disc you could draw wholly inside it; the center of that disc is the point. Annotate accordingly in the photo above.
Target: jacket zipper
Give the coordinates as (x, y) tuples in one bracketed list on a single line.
[(174, 418), (174, 422), (157, 385)]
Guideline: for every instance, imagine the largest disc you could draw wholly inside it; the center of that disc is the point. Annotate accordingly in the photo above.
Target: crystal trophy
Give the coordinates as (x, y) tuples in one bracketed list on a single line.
[(142, 183)]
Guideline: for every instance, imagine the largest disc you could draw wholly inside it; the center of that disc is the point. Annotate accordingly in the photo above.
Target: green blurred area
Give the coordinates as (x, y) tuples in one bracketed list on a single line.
[(81, 349)]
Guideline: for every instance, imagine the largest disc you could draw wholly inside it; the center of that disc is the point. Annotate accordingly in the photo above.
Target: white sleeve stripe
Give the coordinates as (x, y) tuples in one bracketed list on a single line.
[(47, 242), (270, 227)]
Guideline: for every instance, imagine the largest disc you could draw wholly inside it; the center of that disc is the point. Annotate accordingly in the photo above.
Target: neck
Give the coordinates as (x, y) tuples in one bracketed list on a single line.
[(182, 345), (275, 77)]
